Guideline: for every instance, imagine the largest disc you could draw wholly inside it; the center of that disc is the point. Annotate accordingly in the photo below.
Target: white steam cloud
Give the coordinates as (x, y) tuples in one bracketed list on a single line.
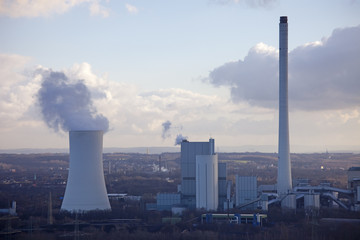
[(165, 131), (323, 75), (179, 138), (67, 104)]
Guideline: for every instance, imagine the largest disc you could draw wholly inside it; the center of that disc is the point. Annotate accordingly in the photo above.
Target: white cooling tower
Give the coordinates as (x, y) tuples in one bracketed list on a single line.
[(284, 184), (207, 196), (85, 189)]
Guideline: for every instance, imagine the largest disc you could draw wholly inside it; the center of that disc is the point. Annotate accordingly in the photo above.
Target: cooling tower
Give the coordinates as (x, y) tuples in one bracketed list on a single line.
[(85, 189), (284, 184), (207, 182)]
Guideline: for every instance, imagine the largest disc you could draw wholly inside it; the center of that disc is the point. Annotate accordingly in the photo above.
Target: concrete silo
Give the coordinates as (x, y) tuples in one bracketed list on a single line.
[(207, 196), (85, 189)]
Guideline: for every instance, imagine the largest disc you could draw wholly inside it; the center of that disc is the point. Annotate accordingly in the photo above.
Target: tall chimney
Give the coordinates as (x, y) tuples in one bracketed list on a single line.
[(284, 184), (85, 189)]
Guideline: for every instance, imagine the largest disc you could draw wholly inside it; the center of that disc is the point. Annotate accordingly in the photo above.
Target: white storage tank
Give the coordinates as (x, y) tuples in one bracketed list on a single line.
[(85, 189), (207, 182)]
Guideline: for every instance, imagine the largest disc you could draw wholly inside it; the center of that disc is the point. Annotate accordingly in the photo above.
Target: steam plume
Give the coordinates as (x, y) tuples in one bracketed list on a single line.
[(179, 139), (166, 127), (67, 105)]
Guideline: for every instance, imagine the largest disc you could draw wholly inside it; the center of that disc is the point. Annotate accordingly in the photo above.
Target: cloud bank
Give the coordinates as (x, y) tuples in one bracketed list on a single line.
[(322, 75), (136, 116), (40, 8), (16, 92)]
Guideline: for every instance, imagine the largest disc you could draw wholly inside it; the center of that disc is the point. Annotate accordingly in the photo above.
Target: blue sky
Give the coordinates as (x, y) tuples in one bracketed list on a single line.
[(187, 62)]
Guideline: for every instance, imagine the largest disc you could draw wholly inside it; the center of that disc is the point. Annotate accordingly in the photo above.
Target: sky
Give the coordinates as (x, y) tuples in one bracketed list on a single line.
[(147, 72)]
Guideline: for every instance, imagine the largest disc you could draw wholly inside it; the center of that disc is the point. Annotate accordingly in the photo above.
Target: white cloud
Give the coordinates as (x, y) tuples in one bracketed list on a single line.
[(16, 96), (252, 80), (347, 116), (250, 3), (322, 75), (131, 9), (97, 9), (44, 8)]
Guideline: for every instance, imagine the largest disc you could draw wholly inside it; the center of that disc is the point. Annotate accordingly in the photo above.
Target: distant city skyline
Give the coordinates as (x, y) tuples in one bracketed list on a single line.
[(200, 69)]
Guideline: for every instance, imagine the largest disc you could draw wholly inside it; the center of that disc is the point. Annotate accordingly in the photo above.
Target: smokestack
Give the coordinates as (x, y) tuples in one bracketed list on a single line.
[(212, 145), (85, 189), (284, 184)]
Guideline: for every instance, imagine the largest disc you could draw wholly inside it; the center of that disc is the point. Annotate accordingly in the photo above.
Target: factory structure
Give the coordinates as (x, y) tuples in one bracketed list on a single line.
[(204, 183), (203, 180), (204, 186)]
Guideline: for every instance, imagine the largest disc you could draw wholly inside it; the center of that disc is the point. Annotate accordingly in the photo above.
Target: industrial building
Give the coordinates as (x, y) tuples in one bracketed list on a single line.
[(354, 186), (195, 157), (189, 151), (165, 201), (203, 179), (245, 191), (237, 218)]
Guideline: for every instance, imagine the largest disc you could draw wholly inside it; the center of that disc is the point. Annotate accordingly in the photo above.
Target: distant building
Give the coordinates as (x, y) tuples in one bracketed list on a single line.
[(203, 180), (353, 177), (222, 183), (245, 191), (354, 185), (165, 201)]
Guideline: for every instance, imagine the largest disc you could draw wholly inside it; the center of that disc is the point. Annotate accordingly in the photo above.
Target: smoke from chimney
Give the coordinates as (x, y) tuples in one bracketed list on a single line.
[(179, 139), (166, 127), (66, 104)]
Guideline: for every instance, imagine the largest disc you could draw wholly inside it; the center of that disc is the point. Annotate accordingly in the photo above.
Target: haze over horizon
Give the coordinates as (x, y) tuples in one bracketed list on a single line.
[(158, 71)]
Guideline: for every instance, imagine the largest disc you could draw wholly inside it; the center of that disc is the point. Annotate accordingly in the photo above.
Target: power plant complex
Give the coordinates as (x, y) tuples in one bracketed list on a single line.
[(203, 179), (204, 183)]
